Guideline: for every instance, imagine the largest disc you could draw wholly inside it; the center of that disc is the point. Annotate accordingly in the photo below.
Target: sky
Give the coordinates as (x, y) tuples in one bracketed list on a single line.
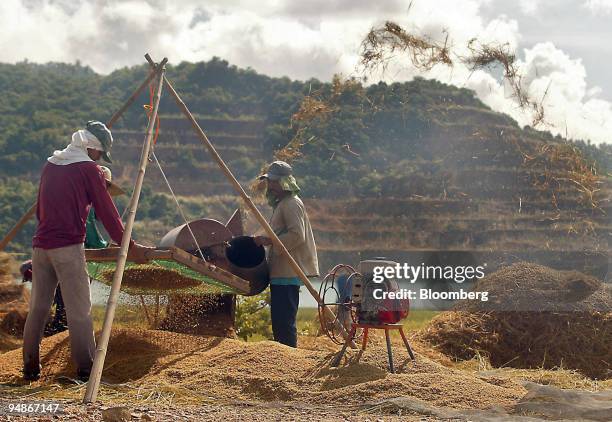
[(564, 46)]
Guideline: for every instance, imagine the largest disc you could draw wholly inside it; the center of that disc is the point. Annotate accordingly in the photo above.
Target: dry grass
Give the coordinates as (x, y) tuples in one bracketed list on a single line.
[(561, 378), (561, 169), (315, 108), (488, 56), (382, 45), (536, 317), (7, 265), (312, 108), (527, 339)]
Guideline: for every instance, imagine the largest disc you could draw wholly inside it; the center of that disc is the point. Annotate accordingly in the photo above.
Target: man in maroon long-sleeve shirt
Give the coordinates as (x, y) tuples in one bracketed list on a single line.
[(70, 183), (64, 198)]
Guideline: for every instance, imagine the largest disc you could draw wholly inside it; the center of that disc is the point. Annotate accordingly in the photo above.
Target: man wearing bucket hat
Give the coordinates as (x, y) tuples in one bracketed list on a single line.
[(70, 183), (292, 226)]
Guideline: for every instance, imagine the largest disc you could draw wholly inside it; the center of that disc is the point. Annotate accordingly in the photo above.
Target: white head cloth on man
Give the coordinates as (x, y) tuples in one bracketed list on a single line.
[(76, 151)]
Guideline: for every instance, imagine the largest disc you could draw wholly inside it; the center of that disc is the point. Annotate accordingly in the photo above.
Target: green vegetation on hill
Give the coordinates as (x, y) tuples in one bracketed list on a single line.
[(16, 197), (422, 138), (41, 105)]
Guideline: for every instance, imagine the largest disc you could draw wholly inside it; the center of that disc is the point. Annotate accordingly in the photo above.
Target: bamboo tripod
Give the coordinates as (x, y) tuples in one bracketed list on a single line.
[(96, 373), (158, 72)]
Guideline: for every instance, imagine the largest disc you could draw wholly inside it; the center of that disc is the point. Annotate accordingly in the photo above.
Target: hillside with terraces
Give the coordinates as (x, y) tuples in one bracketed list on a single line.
[(186, 162), (395, 170), (486, 207)]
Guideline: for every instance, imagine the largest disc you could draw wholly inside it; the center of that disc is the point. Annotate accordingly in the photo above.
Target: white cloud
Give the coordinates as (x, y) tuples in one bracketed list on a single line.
[(567, 101), (529, 7), (301, 40), (137, 14), (570, 105), (599, 6), (40, 33)]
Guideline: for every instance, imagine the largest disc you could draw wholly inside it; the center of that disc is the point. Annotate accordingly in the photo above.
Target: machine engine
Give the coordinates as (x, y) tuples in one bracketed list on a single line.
[(351, 294)]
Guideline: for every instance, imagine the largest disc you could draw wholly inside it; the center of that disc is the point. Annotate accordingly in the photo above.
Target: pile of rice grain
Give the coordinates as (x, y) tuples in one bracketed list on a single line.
[(229, 370), (14, 302), (151, 277), (536, 317)]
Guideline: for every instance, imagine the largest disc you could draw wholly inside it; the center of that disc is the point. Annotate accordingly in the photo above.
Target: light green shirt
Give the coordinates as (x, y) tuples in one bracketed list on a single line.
[(292, 226)]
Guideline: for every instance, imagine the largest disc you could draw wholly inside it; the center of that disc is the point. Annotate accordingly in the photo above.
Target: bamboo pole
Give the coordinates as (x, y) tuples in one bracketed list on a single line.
[(156, 312), (146, 312), (249, 202), (18, 226), (154, 71), (26, 217), (98, 365)]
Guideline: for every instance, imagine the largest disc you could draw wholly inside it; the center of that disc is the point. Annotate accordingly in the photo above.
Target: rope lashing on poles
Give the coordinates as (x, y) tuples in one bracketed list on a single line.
[(148, 110)]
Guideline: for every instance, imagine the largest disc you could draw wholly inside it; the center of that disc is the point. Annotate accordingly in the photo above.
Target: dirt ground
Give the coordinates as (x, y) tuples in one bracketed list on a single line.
[(231, 412)]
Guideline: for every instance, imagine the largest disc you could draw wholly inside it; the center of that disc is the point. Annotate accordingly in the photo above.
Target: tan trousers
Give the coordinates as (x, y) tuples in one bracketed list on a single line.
[(67, 266)]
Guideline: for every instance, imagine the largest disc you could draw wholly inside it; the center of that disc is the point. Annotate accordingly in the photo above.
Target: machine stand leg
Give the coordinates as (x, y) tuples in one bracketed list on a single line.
[(407, 344), (389, 352)]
